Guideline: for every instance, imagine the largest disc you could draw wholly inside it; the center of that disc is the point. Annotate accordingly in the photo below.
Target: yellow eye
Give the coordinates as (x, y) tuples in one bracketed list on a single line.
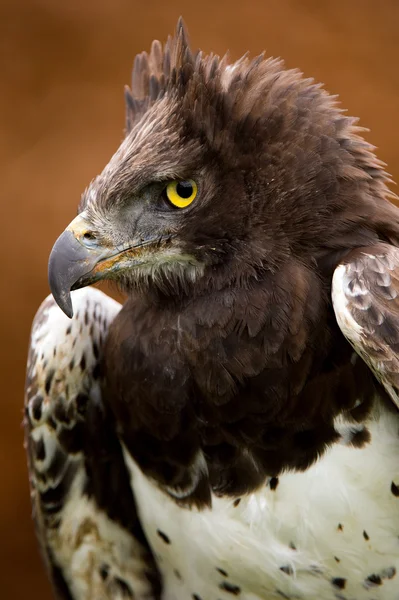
[(181, 193)]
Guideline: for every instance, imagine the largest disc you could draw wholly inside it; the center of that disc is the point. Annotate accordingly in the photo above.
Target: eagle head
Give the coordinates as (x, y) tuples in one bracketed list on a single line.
[(226, 171)]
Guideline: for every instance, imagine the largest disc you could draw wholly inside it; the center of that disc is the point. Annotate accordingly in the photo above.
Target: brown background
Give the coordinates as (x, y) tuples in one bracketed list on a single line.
[(62, 67)]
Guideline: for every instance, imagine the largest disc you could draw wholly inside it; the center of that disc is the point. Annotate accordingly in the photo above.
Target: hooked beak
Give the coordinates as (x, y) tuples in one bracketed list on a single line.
[(79, 259)]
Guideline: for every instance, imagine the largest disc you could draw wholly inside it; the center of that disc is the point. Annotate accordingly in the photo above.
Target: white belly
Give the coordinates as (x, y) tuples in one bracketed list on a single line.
[(329, 533)]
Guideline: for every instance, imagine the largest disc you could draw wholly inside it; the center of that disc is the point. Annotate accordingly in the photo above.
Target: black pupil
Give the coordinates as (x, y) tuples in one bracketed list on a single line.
[(184, 189)]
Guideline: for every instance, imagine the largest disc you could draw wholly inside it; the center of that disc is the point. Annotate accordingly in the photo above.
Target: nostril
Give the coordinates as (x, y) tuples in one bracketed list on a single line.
[(89, 239)]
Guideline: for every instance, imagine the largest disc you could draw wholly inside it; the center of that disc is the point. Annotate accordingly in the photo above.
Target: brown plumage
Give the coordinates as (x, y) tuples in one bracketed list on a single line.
[(226, 366)]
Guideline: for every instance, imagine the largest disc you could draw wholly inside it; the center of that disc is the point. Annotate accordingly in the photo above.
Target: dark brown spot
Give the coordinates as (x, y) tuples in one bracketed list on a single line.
[(51, 423), (163, 536), (395, 489), (72, 364), (39, 449), (177, 574), (388, 573), (104, 572), (124, 587), (60, 411), (222, 572), (230, 587), (196, 597), (81, 403), (95, 350), (287, 569), (339, 582), (360, 438), (37, 407), (336, 559), (236, 502), (292, 546), (68, 330), (97, 371), (273, 483), (340, 527), (49, 380), (373, 580), (83, 362), (366, 536)]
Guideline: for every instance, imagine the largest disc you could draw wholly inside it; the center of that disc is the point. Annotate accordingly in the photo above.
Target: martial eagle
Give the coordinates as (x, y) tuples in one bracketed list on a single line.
[(232, 430)]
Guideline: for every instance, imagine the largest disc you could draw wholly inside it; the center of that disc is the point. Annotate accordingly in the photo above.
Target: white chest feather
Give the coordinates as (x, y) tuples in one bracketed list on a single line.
[(329, 533)]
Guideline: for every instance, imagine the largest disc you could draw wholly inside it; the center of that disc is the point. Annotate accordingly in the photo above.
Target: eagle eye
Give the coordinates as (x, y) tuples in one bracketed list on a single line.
[(181, 193)]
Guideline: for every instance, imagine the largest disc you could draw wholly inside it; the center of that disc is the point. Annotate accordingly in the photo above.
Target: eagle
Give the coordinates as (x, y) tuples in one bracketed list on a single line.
[(232, 430)]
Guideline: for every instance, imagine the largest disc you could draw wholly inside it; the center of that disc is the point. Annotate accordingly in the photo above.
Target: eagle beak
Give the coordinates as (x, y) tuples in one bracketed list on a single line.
[(73, 261), (80, 258)]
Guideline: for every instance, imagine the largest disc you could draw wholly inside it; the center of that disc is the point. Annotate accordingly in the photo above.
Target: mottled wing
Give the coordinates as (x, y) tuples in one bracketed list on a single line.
[(83, 505), (365, 295)]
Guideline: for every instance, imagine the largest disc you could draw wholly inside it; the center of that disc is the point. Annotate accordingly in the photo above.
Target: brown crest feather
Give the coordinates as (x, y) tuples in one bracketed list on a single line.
[(154, 72)]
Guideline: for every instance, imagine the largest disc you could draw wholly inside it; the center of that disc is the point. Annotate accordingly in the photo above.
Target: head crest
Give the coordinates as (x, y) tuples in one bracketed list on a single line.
[(153, 73)]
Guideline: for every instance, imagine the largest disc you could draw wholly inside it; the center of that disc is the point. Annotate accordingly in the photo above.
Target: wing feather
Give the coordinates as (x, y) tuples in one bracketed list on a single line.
[(365, 294), (83, 504)]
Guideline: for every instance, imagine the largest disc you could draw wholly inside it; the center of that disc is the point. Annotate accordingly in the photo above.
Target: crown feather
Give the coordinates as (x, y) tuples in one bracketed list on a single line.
[(153, 73)]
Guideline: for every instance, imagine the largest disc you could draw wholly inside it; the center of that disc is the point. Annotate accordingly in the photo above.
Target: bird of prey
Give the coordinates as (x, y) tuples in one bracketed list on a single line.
[(232, 430)]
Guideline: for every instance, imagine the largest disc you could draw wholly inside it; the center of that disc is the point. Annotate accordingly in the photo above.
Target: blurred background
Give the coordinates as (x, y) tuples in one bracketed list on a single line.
[(62, 67)]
